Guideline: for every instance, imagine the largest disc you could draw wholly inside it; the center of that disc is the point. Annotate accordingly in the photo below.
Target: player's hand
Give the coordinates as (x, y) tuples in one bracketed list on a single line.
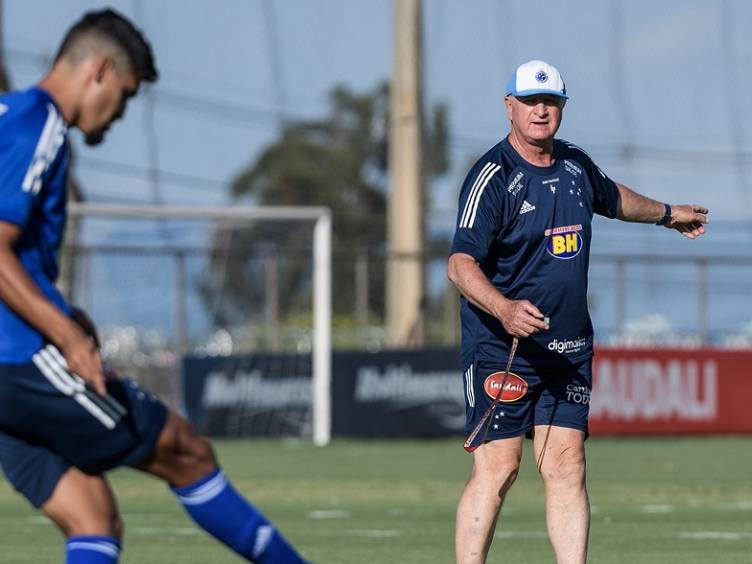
[(83, 320), (81, 354), (520, 318), (688, 220)]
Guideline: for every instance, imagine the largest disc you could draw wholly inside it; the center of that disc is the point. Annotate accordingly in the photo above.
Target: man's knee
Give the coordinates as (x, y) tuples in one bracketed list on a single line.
[(567, 467), (78, 523), (495, 479), (496, 466), (196, 451), (88, 517), (196, 461), (203, 452), (179, 438), (82, 504), (183, 456), (115, 526)]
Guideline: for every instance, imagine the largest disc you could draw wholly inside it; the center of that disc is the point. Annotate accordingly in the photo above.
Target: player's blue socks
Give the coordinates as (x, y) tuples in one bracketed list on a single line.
[(92, 549), (224, 513)]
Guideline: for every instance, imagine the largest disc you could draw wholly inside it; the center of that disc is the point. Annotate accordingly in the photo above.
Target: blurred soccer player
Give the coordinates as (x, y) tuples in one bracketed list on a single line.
[(57, 438), (520, 254)]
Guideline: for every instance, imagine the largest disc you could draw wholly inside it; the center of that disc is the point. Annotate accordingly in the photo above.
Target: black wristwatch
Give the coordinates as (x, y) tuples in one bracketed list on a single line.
[(666, 215)]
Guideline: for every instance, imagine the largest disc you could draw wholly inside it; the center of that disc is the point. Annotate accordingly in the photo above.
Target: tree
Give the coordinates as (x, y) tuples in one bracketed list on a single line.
[(340, 162)]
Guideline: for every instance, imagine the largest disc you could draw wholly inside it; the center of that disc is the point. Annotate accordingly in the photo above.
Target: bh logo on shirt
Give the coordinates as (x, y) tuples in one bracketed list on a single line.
[(564, 242)]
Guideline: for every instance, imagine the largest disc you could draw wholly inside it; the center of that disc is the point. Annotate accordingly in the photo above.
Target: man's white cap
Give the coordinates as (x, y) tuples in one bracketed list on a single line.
[(536, 77)]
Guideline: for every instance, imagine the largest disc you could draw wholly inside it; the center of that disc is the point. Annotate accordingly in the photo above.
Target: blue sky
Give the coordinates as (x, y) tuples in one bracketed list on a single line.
[(667, 78), (666, 75)]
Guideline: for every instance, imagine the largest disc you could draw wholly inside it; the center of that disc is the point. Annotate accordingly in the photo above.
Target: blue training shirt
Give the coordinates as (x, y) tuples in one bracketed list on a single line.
[(529, 229), (34, 156)]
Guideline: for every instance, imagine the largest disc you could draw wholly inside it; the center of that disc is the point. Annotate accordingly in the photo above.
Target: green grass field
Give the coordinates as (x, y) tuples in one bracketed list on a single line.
[(659, 501)]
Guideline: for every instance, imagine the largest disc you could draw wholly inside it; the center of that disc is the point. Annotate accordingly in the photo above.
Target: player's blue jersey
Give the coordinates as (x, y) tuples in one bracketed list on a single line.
[(34, 156), (529, 228)]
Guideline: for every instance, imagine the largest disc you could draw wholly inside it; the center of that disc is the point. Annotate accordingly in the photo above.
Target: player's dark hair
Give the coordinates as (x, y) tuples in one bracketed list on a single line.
[(108, 25)]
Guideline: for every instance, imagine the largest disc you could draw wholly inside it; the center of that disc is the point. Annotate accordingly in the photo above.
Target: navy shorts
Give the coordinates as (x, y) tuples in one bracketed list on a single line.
[(556, 395), (48, 425)]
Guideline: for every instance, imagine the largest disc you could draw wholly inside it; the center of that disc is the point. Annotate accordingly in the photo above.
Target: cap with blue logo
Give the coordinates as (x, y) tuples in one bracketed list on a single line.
[(536, 77)]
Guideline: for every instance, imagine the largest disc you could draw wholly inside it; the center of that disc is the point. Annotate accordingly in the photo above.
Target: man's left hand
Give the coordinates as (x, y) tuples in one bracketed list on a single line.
[(688, 220)]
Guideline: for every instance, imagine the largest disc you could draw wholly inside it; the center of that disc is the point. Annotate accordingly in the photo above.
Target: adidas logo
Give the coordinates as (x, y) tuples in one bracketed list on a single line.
[(526, 207)]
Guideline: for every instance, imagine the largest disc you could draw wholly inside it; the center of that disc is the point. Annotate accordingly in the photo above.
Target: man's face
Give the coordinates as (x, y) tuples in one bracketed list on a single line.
[(104, 101), (536, 118)]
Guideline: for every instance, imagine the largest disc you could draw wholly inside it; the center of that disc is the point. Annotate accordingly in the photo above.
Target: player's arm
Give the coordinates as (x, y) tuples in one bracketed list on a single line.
[(21, 294), (520, 318), (686, 219)]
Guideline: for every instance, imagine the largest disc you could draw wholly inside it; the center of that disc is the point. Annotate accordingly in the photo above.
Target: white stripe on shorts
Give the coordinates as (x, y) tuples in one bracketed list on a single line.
[(63, 387), (469, 386), (61, 368), (67, 385)]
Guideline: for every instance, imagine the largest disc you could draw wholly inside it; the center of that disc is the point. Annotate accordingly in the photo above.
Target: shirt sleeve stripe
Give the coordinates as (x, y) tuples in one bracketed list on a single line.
[(493, 171), (468, 204), (48, 144)]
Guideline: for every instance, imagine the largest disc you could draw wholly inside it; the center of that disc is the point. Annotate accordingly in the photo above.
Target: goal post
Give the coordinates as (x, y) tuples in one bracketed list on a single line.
[(321, 280)]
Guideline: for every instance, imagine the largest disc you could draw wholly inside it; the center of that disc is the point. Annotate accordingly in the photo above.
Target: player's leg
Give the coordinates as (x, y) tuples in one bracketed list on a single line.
[(81, 505), (496, 462), (181, 456), (560, 453), (495, 468), (187, 462), (561, 418), (79, 433), (44, 430), (85, 510)]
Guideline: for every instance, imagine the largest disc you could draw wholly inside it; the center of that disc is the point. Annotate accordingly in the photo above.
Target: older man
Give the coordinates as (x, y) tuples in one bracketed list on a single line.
[(520, 259)]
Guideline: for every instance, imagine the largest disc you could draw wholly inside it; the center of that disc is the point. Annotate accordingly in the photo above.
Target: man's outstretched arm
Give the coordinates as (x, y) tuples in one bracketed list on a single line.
[(686, 219)]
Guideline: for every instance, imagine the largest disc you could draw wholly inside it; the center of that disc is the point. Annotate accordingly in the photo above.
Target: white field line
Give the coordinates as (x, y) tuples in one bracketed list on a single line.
[(520, 535), (657, 508), (328, 514), (745, 505), (374, 533), (714, 535), (178, 531)]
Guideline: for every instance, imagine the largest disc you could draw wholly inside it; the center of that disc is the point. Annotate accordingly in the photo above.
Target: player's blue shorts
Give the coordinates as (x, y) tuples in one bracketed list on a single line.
[(46, 426), (554, 395)]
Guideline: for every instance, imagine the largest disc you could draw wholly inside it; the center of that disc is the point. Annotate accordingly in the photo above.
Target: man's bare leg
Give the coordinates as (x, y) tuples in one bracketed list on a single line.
[(495, 468), (560, 453), (82, 504)]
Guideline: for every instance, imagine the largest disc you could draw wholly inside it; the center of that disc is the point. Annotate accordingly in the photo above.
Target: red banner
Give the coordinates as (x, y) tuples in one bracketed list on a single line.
[(668, 391)]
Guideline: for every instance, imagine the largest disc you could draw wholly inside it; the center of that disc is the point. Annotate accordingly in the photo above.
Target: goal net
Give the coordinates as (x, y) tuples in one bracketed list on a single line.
[(223, 312)]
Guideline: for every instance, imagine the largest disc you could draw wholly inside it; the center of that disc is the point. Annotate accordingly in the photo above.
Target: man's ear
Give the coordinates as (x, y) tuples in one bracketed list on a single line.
[(102, 65), (508, 106)]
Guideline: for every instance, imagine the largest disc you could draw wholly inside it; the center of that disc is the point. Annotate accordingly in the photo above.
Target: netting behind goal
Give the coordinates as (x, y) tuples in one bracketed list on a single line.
[(235, 299)]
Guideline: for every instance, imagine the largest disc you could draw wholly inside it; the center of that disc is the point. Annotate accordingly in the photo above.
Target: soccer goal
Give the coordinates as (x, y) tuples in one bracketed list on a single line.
[(173, 284)]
